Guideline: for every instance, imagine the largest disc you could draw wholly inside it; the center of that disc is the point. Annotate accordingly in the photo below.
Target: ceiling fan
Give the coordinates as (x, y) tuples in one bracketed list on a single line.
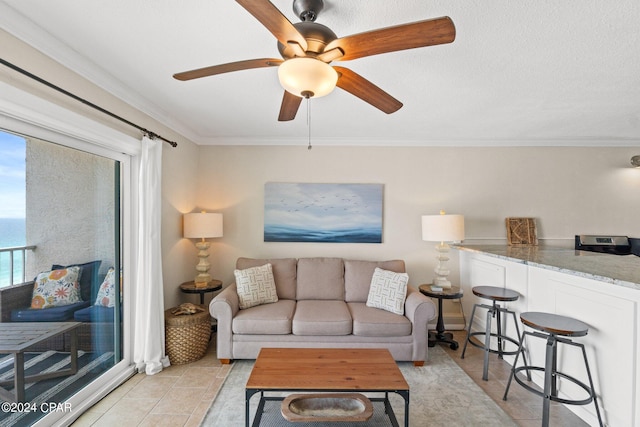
[(307, 48)]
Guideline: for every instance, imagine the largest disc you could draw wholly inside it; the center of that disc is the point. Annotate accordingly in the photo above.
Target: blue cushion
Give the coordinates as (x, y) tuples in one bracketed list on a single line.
[(89, 281), (95, 314), (102, 327), (53, 314)]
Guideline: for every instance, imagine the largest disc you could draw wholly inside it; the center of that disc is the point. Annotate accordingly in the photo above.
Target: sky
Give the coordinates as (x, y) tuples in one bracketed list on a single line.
[(12, 176), (323, 206)]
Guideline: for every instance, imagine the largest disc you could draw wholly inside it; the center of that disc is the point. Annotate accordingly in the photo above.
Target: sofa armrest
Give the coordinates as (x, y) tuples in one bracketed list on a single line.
[(418, 307), (14, 297), (419, 310), (224, 307)]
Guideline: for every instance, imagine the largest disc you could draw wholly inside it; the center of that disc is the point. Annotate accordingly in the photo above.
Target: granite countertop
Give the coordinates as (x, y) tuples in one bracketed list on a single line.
[(621, 270)]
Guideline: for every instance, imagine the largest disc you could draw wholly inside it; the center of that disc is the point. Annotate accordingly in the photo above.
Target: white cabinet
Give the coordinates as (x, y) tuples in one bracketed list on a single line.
[(612, 345)]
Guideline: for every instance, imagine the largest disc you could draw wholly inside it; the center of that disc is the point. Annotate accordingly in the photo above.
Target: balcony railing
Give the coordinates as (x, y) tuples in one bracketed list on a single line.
[(20, 251)]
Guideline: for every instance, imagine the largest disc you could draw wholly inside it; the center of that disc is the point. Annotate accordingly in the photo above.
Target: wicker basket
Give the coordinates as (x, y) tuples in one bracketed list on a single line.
[(186, 336)]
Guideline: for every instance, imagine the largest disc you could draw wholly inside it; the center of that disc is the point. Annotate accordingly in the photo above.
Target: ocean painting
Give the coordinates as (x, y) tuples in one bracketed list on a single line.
[(336, 213)]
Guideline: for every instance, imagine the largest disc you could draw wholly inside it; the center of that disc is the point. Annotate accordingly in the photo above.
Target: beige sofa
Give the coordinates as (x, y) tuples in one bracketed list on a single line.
[(321, 303)]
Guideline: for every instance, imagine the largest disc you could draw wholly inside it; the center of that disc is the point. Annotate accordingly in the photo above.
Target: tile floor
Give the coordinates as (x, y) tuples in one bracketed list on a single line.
[(180, 395), (523, 406)]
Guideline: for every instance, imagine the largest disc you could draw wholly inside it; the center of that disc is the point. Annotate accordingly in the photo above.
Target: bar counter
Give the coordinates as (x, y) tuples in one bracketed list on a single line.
[(601, 290), (621, 270)]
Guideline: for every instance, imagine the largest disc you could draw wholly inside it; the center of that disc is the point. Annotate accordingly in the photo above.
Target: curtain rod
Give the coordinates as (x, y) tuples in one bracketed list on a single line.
[(147, 132)]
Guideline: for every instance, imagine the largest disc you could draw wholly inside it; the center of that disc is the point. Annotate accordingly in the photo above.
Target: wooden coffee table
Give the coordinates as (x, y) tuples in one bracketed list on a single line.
[(326, 370), (17, 337)]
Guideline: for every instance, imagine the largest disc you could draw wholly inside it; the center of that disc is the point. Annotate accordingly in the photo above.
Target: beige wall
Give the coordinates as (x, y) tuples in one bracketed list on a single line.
[(568, 190), (179, 174)]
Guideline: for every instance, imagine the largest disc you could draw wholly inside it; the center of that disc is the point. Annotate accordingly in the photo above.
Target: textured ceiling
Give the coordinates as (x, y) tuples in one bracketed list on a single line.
[(519, 72)]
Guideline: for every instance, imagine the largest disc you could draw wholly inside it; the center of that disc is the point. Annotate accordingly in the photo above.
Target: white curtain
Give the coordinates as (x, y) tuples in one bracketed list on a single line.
[(148, 341)]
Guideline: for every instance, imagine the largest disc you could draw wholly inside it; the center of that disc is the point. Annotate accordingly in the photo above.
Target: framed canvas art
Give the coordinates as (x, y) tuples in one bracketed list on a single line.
[(336, 213)]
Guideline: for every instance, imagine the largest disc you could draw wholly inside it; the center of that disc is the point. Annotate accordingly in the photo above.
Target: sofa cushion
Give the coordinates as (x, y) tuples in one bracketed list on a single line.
[(374, 322), (358, 274), (284, 273), (268, 319), (322, 317), (255, 286), (320, 279), (96, 314), (54, 314)]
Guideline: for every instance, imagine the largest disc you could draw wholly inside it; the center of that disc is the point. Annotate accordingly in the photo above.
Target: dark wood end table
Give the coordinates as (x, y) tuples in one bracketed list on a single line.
[(191, 288), (440, 335)]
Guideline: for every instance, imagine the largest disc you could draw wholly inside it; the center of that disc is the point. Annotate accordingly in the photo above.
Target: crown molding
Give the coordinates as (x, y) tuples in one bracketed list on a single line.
[(385, 142)]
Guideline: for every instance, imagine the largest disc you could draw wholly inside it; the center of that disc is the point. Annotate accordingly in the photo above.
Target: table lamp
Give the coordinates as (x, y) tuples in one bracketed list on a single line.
[(202, 225), (442, 228)]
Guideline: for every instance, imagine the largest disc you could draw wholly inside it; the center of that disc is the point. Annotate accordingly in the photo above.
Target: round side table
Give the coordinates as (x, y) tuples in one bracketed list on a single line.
[(191, 288), (440, 335)]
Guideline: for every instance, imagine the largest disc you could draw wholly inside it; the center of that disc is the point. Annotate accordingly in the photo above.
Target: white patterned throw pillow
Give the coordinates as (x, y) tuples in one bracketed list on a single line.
[(388, 290), (255, 286)]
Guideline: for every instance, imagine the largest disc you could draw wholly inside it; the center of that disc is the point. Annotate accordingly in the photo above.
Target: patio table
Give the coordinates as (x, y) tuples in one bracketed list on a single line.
[(17, 337)]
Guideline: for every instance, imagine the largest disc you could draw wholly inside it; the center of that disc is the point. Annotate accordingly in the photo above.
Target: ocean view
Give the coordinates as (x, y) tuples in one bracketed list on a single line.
[(12, 233)]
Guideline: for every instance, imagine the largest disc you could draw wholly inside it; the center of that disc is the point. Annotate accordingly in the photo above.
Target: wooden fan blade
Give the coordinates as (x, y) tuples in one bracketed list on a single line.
[(269, 16), (408, 36), (357, 85), (289, 107), (227, 68)]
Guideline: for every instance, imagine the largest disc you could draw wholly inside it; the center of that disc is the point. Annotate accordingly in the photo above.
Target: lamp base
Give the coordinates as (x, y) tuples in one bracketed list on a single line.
[(203, 266), (441, 270)]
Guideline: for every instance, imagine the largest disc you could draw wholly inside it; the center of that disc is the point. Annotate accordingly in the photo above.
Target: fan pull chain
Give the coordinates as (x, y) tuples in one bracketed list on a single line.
[(309, 121)]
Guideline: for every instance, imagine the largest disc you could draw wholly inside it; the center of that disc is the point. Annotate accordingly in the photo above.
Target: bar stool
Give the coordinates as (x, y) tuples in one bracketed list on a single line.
[(494, 294), (553, 327)]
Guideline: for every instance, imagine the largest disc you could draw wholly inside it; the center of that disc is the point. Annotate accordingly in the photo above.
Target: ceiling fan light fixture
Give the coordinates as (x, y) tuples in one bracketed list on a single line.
[(307, 77)]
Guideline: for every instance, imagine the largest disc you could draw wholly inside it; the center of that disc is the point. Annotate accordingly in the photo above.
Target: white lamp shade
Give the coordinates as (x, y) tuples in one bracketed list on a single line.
[(442, 228), (202, 225), (300, 75)]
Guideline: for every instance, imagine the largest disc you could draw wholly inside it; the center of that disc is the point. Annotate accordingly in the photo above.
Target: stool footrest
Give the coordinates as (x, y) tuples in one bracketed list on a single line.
[(491, 350), (554, 397)]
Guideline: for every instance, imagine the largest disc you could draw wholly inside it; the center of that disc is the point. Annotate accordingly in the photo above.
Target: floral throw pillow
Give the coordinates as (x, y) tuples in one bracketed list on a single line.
[(106, 294), (56, 288)]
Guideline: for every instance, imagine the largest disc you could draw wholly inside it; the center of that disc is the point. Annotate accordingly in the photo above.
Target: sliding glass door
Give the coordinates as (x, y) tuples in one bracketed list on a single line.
[(61, 263)]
